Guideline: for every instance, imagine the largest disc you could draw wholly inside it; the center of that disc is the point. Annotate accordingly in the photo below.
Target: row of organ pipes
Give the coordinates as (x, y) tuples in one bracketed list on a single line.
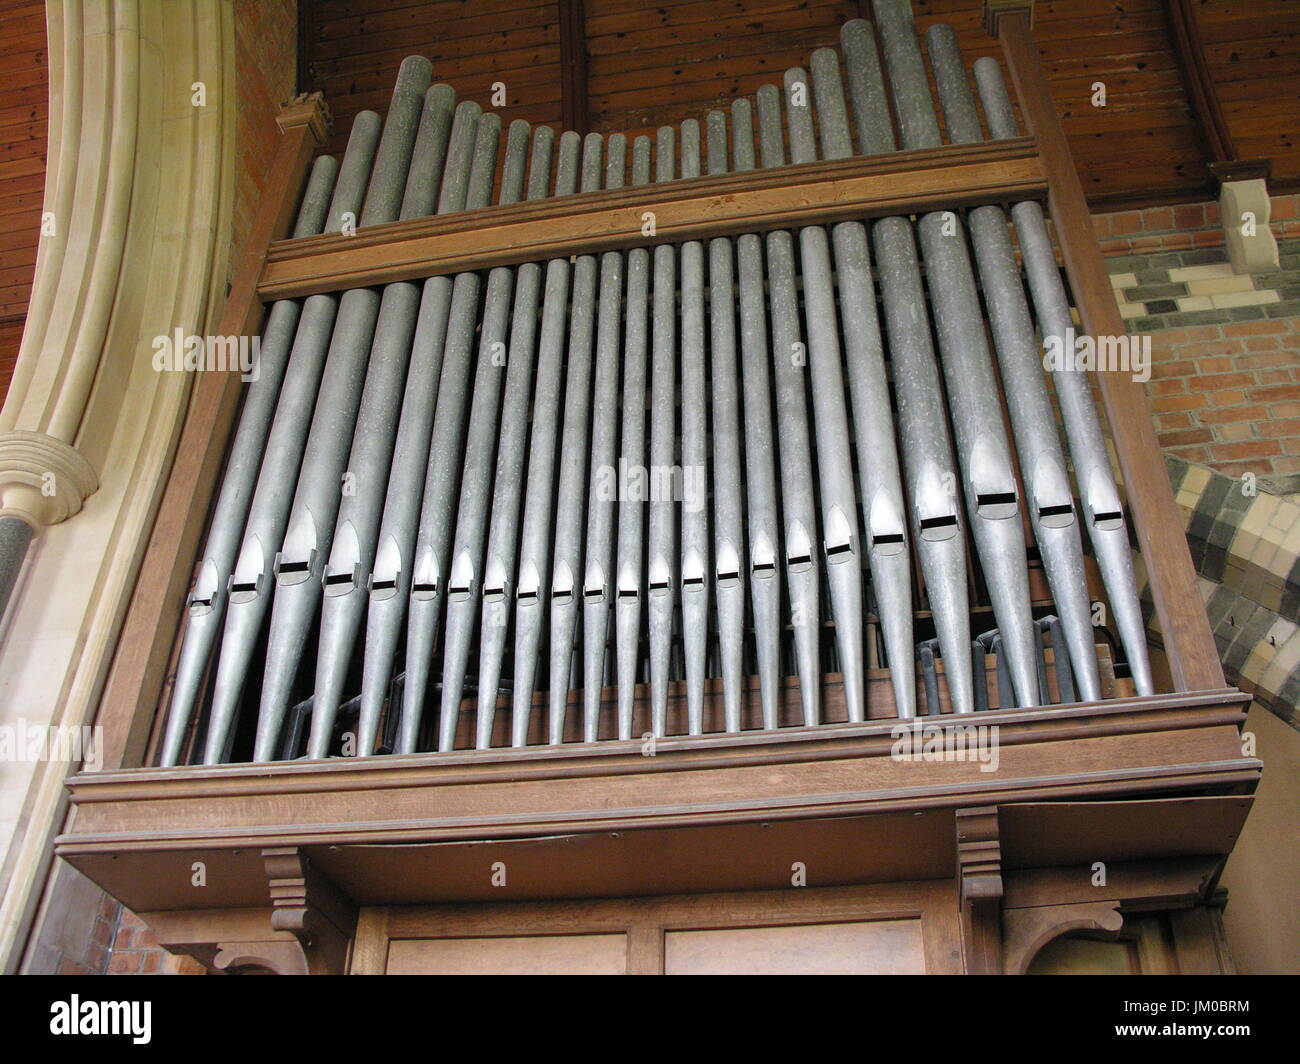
[(452, 441)]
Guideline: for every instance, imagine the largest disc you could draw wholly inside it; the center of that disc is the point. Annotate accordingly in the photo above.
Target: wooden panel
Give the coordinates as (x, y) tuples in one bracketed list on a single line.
[(510, 955), (870, 947)]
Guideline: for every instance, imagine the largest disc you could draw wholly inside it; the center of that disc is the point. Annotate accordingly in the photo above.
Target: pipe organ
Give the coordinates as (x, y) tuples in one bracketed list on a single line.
[(746, 477)]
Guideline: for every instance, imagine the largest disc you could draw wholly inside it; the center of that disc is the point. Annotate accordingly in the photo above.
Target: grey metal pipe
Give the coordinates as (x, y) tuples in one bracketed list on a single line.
[(206, 606), (572, 484), (400, 369), (918, 126), (597, 590), (433, 540), (728, 506), (788, 360), (349, 372), (503, 533), (866, 88), (662, 563), (887, 548), (694, 511), (1103, 512), (760, 442), (1042, 461), (390, 580), (533, 587), (250, 580), (464, 582), (841, 537)]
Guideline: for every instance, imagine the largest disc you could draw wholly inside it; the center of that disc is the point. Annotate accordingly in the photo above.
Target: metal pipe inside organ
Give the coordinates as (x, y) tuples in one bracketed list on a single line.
[(636, 466)]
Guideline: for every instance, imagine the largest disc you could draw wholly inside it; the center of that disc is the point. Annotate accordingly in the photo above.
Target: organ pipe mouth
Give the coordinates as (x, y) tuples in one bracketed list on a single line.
[(1108, 521), (1057, 516), (937, 529), (887, 544), (494, 593), (293, 571), (342, 583), (996, 505)]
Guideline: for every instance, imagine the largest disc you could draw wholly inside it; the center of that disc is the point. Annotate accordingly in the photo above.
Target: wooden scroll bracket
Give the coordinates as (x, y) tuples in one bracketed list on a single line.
[(782, 197), (1189, 642), (135, 682), (979, 874)]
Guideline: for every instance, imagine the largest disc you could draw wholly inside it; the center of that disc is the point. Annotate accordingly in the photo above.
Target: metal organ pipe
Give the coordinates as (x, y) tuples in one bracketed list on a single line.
[(1102, 511), (251, 579), (207, 600)]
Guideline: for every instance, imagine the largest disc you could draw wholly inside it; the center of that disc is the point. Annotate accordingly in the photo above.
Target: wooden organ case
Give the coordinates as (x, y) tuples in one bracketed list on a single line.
[(824, 694)]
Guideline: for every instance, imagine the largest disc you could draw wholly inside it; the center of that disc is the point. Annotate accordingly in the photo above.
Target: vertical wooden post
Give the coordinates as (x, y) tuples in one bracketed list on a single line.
[(135, 682), (1189, 643), (573, 65)]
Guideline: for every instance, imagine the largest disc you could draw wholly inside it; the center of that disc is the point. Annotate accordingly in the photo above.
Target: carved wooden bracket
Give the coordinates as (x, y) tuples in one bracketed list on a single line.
[(979, 871), (310, 908), (1029, 930)]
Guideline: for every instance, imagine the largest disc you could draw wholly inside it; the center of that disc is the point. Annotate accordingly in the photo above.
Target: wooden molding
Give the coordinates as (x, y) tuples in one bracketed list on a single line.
[(1029, 930), (691, 209), (979, 873), (996, 10), (575, 109), (1189, 642), (310, 908)]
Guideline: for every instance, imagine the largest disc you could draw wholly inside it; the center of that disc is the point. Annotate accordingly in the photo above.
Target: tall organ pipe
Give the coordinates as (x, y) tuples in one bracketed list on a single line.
[(662, 564), (1042, 461), (350, 374), (503, 533), (433, 540), (572, 483), (391, 579), (840, 534), (792, 430), (887, 548), (729, 536), (1102, 511), (207, 600), (760, 472), (601, 507), (465, 581), (250, 581), (532, 591), (400, 356), (629, 563), (695, 511)]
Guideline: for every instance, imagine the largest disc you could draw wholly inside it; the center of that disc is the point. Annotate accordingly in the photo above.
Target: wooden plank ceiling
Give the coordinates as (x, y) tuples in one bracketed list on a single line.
[(650, 64)]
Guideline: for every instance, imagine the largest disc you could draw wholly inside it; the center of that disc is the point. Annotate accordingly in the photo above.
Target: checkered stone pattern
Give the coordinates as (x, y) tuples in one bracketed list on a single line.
[(1245, 545)]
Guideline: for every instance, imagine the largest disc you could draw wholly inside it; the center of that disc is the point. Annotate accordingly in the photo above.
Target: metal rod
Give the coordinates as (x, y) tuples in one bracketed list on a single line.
[(788, 360), (533, 589), (206, 606), (1103, 513), (251, 579), (630, 561), (760, 442)]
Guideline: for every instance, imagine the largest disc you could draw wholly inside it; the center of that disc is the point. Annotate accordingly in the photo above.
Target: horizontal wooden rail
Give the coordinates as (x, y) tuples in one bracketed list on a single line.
[(693, 209)]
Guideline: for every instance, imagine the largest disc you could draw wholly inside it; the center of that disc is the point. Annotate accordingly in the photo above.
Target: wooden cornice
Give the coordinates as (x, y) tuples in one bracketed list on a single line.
[(691, 209)]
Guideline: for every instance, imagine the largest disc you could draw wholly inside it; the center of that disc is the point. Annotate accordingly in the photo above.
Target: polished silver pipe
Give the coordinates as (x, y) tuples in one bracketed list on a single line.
[(349, 375), (1042, 461), (887, 548), (572, 483), (503, 533), (1103, 512), (602, 492), (788, 361), (250, 583), (533, 587), (206, 606), (465, 578), (399, 365), (662, 565), (760, 442), (442, 479), (390, 580), (729, 529), (630, 561), (841, 537), (695, 478)]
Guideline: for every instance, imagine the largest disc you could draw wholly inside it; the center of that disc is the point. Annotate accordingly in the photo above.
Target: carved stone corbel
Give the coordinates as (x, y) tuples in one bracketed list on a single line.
[(979, 872)]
